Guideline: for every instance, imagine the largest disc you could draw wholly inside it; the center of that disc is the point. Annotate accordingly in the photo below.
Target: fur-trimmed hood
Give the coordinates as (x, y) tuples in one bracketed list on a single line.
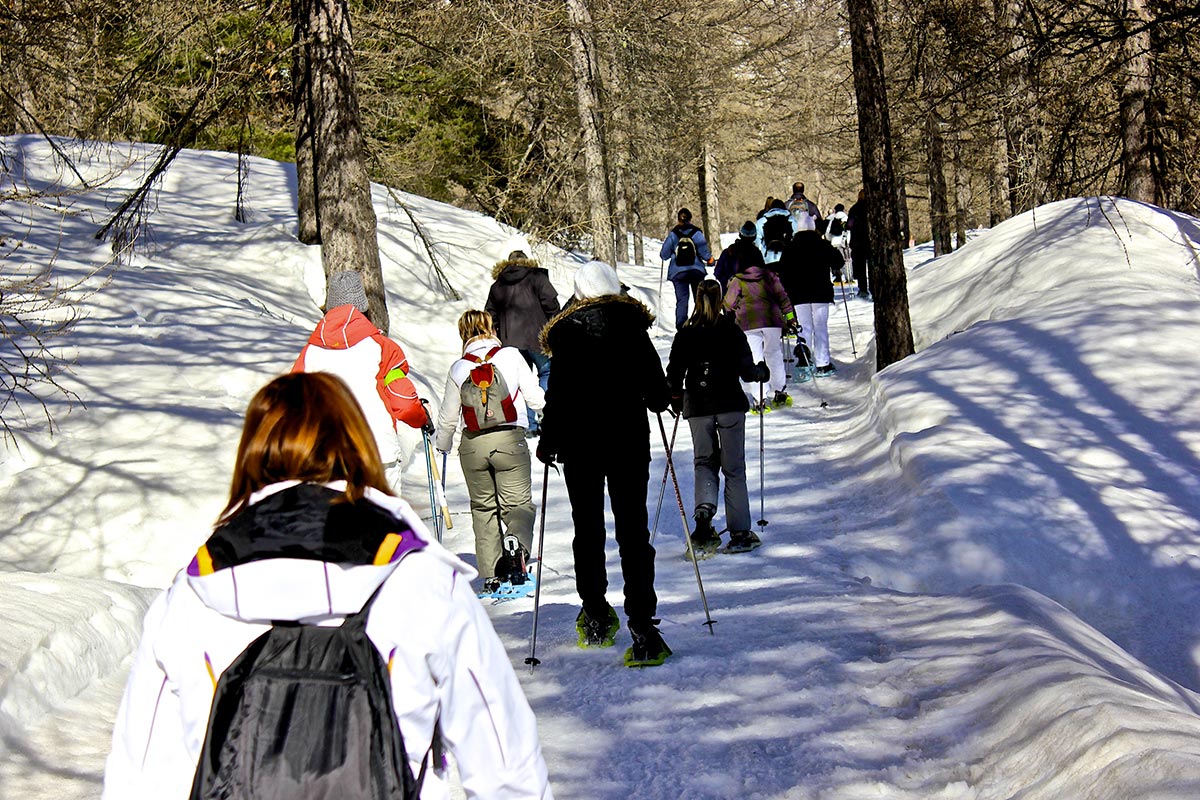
[(593, 316), (514, 269)]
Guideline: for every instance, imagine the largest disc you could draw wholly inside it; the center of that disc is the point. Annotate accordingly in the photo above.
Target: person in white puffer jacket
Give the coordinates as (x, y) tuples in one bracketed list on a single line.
[(310, 533), (494, 456)]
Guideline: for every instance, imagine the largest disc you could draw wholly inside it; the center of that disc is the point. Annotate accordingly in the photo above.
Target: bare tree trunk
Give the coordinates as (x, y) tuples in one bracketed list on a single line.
[(1022, 111), (712, 199), (702, 194), (962, 189), (999, 191), (587, 97), (309, 226), (1135, 101), (345, 214), (939, 211), (889, 284)]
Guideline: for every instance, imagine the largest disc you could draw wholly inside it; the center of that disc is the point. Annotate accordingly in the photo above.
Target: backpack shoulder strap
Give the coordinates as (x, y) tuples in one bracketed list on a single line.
[(492, 353)]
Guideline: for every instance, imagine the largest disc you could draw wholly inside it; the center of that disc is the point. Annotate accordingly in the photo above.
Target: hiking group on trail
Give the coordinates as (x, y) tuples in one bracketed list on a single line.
[(286, 661)]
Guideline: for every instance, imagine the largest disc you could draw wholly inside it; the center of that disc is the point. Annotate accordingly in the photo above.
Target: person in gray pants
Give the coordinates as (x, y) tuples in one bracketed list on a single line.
[(493, 452)]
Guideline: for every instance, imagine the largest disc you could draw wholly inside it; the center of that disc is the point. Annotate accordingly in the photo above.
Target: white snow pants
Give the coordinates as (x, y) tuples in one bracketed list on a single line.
[(765, 346), (814, 327)]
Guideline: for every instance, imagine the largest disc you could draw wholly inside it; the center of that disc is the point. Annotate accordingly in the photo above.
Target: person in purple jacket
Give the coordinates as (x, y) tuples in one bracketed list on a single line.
[(761, 306)]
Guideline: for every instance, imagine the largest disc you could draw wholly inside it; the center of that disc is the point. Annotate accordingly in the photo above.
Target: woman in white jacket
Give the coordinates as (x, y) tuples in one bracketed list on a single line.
[(494, 453), (310, 533)]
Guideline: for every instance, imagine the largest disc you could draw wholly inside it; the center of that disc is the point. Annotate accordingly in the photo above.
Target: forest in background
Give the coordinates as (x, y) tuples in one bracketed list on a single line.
[(996, 107)]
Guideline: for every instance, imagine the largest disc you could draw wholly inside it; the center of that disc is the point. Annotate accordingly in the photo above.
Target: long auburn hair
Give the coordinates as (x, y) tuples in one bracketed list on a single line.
[(709, 304), (305, 426)]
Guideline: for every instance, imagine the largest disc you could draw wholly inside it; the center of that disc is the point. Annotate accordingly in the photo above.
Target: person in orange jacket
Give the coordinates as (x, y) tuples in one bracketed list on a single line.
[(347, 344)]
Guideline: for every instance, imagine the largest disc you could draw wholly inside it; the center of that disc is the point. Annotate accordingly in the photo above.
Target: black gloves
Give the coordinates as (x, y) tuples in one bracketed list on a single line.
[(677, 405), (761, 373), (545, 453)]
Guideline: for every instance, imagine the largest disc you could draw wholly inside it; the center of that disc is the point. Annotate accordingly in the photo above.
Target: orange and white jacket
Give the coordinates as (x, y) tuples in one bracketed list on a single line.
[(346, 343)]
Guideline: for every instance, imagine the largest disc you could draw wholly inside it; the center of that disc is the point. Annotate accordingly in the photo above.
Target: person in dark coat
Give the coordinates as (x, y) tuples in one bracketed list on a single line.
[(521, 301), (710, 353), (742, 253), (860, 244), (605, 374), (805, 270)]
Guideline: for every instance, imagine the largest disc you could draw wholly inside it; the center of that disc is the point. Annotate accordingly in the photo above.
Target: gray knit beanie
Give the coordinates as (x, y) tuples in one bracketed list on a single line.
[(345, 289)]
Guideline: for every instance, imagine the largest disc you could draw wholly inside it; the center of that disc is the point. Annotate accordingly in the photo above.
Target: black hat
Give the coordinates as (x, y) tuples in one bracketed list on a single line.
[(748, 230)]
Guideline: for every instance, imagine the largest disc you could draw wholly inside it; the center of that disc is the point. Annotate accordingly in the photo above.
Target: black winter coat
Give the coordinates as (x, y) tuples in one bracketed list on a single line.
[(738, 257), (860, 239), (604, 374), (705, 364), (521, 301), (805, 268)]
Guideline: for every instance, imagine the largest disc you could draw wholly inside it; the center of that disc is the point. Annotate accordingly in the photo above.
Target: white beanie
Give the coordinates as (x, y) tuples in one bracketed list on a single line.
[(345, 289), (595, 279)]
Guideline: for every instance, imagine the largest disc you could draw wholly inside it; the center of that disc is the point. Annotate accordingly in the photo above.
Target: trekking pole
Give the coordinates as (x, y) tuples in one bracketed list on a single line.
[(812, 376), (444, 457), (762, 460), (532, 661), (662, 490), (687, 534), (850, 327), (433, 506)]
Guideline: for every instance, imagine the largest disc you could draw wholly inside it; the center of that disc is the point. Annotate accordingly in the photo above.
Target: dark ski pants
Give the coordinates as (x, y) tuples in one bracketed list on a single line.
[(859, 259), (685, 290), (540, 364), (628, 477)]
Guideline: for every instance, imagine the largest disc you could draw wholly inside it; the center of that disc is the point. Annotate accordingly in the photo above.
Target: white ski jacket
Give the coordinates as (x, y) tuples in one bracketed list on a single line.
[(521, 381), (447, 666)]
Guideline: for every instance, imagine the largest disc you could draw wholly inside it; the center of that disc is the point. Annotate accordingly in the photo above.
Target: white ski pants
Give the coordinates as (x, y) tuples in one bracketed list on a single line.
[(814, 327), (765, 346)]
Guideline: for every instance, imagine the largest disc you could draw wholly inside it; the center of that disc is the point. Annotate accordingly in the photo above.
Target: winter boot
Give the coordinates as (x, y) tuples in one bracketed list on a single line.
[(598, 631), (511, 566), (649, 649), (742, 542), (827, 369), (705, 539), (781, 399)]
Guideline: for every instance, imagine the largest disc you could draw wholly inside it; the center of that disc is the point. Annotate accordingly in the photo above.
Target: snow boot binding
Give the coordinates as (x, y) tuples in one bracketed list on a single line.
[(597, 632), (649, 649), (511, 566), (825, 370), (742, 542), (705, 539), (781, 400)]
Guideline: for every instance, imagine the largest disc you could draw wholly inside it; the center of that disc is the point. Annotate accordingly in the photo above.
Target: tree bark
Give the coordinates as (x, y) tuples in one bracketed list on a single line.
[(587, 98), (889, 284), (935, 163), (962, 189), (309, 227), (342, 186), (1135, 106), (712, 199), (999, 192)]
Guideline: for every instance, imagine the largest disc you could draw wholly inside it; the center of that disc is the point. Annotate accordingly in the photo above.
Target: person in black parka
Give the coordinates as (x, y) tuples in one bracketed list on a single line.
[(805, 268), (710, 353), (521, 301), (605, 374), (738, 256)]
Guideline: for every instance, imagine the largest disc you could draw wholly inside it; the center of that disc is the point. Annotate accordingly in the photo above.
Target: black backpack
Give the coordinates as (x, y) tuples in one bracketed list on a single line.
[(836, 228), (777, 231), (685, 251), (305, 712)]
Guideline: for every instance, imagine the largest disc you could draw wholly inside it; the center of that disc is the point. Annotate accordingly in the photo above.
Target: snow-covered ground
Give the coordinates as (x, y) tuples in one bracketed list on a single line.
[(979, 577)]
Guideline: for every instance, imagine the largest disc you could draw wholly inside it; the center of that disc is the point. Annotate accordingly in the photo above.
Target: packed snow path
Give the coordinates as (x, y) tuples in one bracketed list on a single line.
[(894, 636)]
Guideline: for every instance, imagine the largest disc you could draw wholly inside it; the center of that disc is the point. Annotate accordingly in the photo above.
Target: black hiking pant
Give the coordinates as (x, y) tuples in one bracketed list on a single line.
[(628, 476)]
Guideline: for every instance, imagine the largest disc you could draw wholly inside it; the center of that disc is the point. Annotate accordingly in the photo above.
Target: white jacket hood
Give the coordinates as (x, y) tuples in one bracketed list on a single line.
[(286, 556)]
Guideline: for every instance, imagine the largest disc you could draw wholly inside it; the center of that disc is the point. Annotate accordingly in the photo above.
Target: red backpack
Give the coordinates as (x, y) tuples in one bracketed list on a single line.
[(485, 392)]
